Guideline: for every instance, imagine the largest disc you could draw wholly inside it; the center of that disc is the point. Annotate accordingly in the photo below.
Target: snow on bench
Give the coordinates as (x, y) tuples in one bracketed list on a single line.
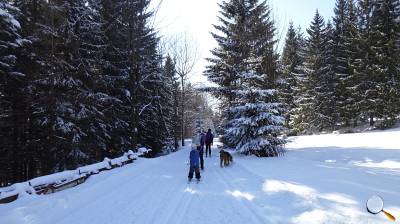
[(96, 168), (66, 179), (142, 151), (53, 178), (11, 193)]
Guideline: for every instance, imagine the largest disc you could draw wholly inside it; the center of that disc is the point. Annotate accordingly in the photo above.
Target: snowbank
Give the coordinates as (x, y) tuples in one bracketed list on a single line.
[(37, 185), (322, 179), (95, 168)]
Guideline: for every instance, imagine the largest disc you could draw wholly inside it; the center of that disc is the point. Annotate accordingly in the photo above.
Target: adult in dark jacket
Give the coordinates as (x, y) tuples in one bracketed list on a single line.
[(194, 163), (201, 151), (209, 139)]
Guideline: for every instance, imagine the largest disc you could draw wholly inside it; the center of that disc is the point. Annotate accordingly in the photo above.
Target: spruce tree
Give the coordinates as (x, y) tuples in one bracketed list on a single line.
[(385, 30), (172, 99), (376, 68), (224, 65), (362, 64), (349, 106), (67, 106), (245, 69), (309, 115), (116, 72), (341, 38), (134, 67), (291, 60), (14, 152), (326, 85)]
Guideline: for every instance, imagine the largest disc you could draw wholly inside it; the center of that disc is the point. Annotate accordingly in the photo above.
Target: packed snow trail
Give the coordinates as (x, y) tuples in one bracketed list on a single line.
[(150, 191), (321, 179)]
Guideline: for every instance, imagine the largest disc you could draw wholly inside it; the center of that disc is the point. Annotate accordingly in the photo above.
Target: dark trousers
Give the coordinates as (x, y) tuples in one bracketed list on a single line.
[(208, 149), (196, 170), (201, 160)]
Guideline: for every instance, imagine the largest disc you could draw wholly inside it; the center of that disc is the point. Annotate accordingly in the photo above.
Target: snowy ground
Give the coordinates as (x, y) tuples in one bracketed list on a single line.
[(322, 179)]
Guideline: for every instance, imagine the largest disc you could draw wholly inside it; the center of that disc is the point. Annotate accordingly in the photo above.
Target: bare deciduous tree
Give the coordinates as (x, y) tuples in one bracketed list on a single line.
[(184, 53)]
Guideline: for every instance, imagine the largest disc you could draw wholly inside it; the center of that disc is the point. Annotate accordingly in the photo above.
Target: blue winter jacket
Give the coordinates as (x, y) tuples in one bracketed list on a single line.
[(194, 157)]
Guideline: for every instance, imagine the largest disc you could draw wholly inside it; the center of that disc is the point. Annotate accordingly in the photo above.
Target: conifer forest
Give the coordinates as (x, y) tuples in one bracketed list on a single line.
[(81, 80)]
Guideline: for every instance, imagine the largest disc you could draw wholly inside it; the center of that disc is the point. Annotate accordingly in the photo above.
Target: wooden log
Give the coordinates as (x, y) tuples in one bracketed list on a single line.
[(9, 199), (42, 189), (68, 184), (130, 160)]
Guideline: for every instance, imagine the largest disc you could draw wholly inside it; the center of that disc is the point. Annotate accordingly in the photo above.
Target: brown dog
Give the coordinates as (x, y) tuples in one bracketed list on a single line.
[(225, 158)]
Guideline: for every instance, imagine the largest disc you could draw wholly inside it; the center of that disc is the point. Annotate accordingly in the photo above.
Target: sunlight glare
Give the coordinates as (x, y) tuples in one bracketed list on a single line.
[(239, 194)]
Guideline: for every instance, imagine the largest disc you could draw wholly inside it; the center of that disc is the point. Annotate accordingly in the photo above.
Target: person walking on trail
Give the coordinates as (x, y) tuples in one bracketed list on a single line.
[(209, 138), (194, 163), (201, 151)]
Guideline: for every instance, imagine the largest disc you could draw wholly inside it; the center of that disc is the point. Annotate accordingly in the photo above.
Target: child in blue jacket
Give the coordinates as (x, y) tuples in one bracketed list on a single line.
[(194, 163)]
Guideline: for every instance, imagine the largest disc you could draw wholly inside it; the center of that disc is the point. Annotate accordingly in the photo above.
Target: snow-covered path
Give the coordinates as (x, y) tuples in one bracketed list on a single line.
[(321, 179), (151, 191)]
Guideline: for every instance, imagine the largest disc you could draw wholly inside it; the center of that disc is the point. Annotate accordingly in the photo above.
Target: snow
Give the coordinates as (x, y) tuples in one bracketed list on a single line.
[(10, 18), (27, 187), (143, 150), (94, 168), (54, 178), (321, 179)]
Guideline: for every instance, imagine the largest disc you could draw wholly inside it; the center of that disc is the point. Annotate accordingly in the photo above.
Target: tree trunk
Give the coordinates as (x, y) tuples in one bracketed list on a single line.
[(371, 120), (183, 111), (355, 123)]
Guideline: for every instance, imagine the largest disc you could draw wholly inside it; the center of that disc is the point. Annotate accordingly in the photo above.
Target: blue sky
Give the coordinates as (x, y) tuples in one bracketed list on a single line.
[(195, 17), (301, 12)]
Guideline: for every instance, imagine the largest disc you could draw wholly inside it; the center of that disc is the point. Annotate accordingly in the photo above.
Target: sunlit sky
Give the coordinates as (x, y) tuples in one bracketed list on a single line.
[(195, 18)]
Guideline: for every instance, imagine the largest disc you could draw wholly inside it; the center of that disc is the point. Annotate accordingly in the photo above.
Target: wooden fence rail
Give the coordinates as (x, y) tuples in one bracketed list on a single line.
[(60, 181)]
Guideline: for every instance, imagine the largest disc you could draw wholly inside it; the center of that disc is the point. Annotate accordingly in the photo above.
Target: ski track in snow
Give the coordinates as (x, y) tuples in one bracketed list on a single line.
[(313, 183), (256, 217)]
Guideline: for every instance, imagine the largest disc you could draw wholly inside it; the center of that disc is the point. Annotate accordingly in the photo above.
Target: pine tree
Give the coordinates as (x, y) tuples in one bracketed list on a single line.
[(349, 106), (134, 67), (345, 31), (291, 60), (223, 69), (84, 25), (256, 120), (310, 114), (385, 30), (245, 69), (66, 104), (326, 85), (376, 69), (116, 72), (95, 84), (172, 100), (13, 100), (341, 56), (146, 72), (361, 65)]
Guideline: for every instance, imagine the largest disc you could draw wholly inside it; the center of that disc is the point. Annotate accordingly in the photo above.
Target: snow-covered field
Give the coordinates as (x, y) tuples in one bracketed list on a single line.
[(321, 179)]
